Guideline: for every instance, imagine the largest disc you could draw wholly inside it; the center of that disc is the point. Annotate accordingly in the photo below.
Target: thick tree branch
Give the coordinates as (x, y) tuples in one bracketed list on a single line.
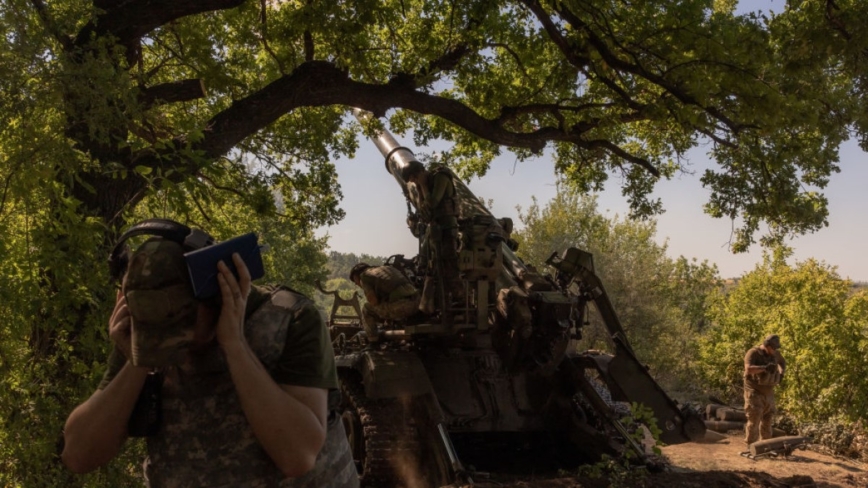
[(447, 62), (319, 83), (128, 21), (7, 182), (49, 23), (425, 76), (613, 60), (515, 56), (620, 152), (107, 4), (508, 113), (834, 21), (564, 45), (581, 62), (263, 23), (177, 91)]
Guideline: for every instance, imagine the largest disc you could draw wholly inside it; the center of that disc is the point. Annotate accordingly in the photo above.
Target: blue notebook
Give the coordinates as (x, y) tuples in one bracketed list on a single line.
[(202, 263)]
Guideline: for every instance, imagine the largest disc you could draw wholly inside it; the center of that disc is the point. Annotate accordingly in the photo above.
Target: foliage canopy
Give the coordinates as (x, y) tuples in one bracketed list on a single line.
[(111, 98)]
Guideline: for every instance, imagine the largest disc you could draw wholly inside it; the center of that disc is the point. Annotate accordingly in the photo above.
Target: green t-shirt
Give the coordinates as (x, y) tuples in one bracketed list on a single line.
[(305, 358), (204, 437)]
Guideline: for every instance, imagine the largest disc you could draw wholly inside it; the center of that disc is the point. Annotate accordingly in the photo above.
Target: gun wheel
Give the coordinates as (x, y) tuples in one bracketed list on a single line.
[(382, 434), (355, 437)]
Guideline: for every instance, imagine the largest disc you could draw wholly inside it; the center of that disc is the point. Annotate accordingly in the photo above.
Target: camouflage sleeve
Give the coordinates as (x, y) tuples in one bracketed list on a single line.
[(307, 358), (116, 361), (369, 288)]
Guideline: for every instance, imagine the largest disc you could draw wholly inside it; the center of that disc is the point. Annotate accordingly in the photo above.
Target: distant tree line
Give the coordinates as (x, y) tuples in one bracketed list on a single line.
[(692, 328), (338, 268), (661, 302), (339, 264)]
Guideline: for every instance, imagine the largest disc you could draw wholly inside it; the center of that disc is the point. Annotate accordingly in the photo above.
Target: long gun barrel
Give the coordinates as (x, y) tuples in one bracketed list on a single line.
[(400, 158)]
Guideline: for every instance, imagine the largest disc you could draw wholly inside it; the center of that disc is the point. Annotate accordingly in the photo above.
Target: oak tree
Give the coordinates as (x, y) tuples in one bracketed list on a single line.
[(117, 109)]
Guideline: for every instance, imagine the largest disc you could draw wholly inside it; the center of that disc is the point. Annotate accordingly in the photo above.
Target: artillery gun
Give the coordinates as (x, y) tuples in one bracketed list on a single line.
[(484, 376)]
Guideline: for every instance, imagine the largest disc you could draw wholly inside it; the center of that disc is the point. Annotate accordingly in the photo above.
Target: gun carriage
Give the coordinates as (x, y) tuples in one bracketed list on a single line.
[(486, 372)]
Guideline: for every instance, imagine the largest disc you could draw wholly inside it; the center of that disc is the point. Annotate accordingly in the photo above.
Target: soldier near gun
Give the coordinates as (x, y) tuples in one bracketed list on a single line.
[(389, 294), (247, 383), (433, 194), (763, 370)]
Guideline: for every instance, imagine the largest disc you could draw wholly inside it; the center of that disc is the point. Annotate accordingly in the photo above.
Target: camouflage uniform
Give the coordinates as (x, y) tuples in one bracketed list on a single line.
[(205, 439), (759, 395), (396, 297), (433, 195), (444, 233)]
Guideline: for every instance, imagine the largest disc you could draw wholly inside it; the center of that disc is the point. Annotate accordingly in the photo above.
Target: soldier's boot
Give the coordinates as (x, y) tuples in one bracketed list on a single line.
[(372, 332)]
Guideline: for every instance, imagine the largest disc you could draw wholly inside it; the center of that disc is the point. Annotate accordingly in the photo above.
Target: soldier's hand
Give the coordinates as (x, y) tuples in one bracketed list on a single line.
[(772, 367), (234, 293), (121, 326)]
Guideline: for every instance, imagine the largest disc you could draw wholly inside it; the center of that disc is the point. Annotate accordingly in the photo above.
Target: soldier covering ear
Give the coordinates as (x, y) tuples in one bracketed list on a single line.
[(235, 380)]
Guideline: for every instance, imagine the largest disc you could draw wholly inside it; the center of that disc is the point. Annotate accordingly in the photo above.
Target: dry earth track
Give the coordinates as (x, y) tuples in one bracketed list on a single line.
[(719, 465)]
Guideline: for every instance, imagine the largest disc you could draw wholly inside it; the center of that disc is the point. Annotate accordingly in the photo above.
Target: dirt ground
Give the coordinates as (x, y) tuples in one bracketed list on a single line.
[(718, 464), (802, 468)]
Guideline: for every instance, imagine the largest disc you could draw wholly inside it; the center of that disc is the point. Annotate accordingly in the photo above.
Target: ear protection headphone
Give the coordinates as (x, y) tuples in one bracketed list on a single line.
[(190, 239)]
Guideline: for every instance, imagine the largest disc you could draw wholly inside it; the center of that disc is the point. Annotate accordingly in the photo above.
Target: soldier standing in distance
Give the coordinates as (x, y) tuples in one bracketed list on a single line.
[(763, 369)]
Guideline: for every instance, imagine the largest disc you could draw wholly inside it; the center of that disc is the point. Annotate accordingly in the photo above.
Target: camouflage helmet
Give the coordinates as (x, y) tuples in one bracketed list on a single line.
[(161, 302), (358, 270)]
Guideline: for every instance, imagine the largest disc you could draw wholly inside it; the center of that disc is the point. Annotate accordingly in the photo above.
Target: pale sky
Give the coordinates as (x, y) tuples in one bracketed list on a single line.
[(376, 210)]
